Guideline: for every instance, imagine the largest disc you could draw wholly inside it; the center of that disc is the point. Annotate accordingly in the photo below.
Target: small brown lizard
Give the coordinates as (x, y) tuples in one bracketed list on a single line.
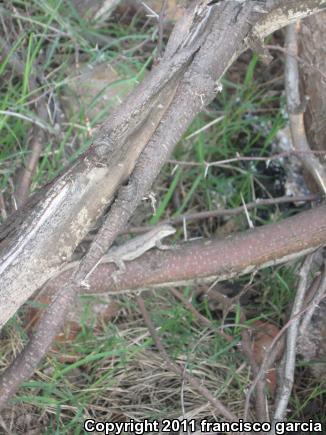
[(133, 249)]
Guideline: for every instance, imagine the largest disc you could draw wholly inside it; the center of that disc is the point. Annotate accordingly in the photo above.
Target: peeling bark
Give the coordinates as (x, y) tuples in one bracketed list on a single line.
[(36, 242), (34, 245)]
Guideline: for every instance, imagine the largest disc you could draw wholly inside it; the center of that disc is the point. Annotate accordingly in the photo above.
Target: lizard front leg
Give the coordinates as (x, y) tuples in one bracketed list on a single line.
[(121, 269)]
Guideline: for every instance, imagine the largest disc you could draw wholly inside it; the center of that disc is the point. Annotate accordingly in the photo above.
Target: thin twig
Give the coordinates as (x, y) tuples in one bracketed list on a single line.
[(181, 220), (202, 319), (3, 211), (288, 366), (319, 295), (260, 396), (240, 158), (160, 25), (295, 56), (271, 354), (38, 131), (219, 407)]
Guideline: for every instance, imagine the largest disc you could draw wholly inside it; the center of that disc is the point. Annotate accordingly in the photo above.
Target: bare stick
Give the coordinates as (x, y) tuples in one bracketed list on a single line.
[(288, 365), (319, 295), (3, 211), (268, 361), (202, 319), (161, 29), (271, 354), (37, 134), (261, 404), (298, 58), (49, 326), (188, 217), (296, 109), (195, 90), (36, 143), (219, 407), (240, 158)]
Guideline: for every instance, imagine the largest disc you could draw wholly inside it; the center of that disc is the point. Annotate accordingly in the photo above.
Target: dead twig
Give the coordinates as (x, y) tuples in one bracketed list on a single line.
[(218, 406), (272, 351), (36, 144), (38, 132), (298, 58), (296, 108), (160, 26), (239, 158), (318, 296), (261, 404), (202, 319), (288, 363), (3, 210), (192, 85), (188, 217)]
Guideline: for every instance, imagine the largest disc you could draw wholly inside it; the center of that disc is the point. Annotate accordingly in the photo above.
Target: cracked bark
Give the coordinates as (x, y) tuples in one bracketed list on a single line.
[(143, 128), (63, 212)]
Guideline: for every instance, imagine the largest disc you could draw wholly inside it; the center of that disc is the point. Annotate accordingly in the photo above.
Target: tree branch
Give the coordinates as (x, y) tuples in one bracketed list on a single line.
[(205, 261), (179, 88), (296, 108)]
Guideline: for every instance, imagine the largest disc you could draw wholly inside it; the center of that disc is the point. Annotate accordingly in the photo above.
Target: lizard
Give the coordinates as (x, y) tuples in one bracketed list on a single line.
[(133, 249)]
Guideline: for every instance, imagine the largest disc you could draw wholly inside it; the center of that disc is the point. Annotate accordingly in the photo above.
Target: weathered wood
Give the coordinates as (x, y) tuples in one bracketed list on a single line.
[(198, 61), (41, 237), (312, 51), (35, 243)]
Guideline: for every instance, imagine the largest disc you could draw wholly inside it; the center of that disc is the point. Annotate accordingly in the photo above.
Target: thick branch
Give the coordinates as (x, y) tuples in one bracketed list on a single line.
[(177, 90), (64, 212), (36, 241), (206, 261)]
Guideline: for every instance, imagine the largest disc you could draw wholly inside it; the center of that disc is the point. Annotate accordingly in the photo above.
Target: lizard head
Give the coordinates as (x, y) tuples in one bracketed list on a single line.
[(166, 230)]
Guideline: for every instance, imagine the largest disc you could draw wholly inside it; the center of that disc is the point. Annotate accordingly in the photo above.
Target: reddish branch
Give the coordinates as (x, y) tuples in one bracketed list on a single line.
[(239, 253), (213, 46), (205, 260)]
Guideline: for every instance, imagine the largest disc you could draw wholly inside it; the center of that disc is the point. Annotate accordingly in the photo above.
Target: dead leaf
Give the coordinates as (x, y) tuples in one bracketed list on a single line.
[(262, 336)]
